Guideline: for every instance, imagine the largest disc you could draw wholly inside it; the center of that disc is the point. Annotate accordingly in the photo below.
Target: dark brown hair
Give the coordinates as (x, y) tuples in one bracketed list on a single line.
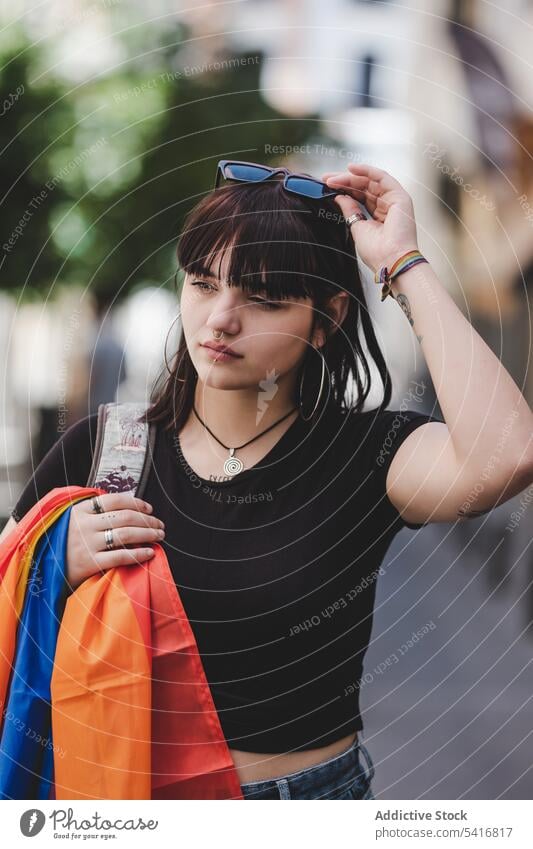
[(299, 248)]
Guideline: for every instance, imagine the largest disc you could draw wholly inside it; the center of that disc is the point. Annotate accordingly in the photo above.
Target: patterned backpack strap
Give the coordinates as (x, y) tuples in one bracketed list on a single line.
[(124, 448)]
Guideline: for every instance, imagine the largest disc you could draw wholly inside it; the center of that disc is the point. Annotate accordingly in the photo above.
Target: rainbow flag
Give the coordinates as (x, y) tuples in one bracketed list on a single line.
[(102, 691)]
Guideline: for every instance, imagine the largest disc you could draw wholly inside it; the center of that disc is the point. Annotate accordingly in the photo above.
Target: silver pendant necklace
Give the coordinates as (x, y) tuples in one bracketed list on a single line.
[(233, 465)]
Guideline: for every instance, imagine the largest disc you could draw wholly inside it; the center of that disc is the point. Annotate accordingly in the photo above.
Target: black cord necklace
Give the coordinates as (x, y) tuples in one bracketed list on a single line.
[(233, 465)]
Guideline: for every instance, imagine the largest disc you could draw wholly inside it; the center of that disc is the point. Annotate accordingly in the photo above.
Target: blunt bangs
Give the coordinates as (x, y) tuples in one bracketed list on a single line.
[(278, 243)]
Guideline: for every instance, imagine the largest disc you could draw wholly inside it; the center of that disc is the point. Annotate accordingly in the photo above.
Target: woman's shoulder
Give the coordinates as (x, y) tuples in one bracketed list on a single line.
[(67, 463), (376, 433), (81, 429), (77, 442), (378, 419)]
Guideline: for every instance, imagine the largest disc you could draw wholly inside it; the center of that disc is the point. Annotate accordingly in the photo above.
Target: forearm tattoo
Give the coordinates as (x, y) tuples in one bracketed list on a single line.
[(404, 304)]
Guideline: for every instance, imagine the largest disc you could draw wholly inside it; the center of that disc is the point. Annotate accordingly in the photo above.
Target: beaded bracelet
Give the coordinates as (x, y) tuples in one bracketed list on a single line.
[(384, 278)]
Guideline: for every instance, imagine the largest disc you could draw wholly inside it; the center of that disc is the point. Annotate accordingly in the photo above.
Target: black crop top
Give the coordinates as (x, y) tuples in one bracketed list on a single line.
[(276, 568)]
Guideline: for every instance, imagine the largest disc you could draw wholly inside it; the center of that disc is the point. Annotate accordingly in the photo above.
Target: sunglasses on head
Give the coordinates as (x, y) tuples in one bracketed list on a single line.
[(253, 172)]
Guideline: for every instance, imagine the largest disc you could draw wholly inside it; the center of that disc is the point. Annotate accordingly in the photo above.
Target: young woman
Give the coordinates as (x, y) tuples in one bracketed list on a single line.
[(274, 493)]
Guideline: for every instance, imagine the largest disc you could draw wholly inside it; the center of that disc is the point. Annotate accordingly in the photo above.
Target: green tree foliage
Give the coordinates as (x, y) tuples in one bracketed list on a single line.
[(37, 125), (127, 153)]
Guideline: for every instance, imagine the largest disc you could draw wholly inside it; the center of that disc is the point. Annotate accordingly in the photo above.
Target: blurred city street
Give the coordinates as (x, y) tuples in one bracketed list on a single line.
[(452, 718)]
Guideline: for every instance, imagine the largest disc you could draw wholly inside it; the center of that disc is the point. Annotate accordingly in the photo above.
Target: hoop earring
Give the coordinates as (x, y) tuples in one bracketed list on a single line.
[(166, 340), (319, 391)]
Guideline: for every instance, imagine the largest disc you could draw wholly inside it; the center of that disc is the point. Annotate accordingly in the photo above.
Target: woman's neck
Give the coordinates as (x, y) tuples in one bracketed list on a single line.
[(237, 415)]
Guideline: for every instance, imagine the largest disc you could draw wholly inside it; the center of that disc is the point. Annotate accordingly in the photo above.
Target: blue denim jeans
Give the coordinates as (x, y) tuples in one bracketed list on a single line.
[(339, 777)]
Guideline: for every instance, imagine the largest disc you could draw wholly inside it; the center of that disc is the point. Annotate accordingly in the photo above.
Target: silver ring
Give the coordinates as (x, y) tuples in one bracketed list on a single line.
[(108, 535), (357, 216), (97, 504)]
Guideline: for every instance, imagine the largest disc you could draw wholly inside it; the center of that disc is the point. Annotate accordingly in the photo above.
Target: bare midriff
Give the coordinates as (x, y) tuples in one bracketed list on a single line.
[(256, 766)]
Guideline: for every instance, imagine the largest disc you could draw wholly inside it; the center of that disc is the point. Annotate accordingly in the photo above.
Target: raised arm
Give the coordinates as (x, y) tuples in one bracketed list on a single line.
[(483, 454)]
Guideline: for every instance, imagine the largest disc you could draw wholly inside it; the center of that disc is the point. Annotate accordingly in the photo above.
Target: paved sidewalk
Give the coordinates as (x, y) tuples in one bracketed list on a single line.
[(449, 714)]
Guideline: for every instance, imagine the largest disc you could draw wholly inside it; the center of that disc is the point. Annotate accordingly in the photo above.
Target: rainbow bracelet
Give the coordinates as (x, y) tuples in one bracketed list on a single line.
[(384, 278)]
